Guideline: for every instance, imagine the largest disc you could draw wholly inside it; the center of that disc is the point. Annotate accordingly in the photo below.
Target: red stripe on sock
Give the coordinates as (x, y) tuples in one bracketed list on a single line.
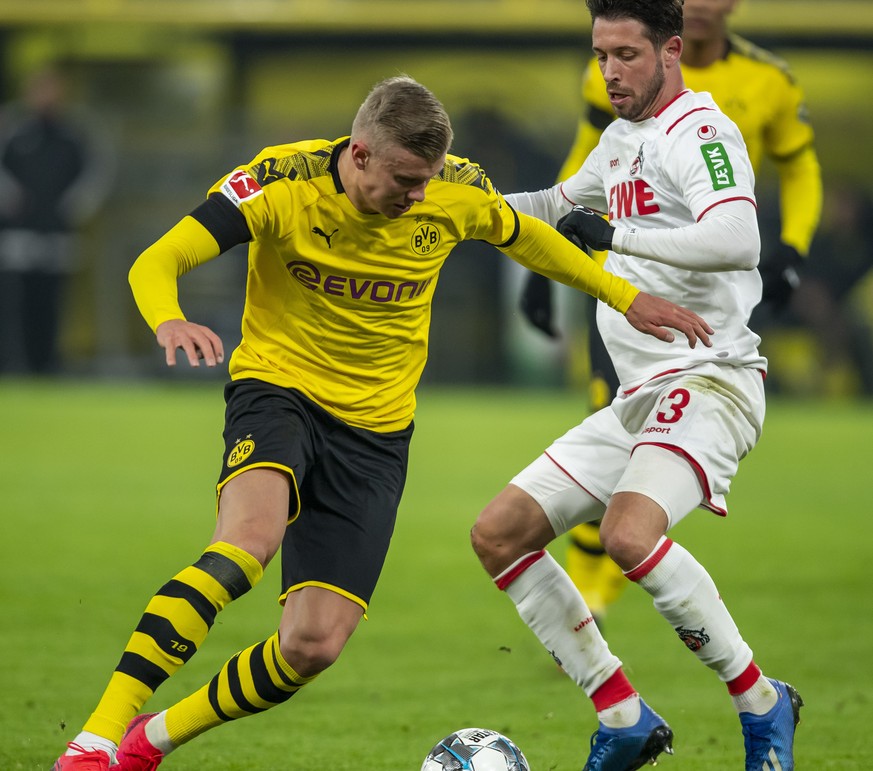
[(505, 579), (649, 564), (745, 681), (614, 690)]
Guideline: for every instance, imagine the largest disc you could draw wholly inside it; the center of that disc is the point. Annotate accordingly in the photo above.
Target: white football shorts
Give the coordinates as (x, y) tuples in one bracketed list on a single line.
[(703, 420)]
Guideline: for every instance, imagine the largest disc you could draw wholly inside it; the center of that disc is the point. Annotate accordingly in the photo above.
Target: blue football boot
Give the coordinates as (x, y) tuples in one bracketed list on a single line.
[(770, 737), (626, 749)]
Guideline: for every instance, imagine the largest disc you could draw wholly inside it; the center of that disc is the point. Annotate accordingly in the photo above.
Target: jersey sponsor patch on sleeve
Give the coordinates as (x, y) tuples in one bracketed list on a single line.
[(241, 186), (719, 164)]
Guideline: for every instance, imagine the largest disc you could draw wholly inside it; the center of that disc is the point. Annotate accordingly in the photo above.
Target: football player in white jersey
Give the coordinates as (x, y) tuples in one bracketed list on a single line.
[(674, 177)]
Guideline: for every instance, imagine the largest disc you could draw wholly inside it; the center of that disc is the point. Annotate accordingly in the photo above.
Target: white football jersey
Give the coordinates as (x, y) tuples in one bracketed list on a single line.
[(668, 172)]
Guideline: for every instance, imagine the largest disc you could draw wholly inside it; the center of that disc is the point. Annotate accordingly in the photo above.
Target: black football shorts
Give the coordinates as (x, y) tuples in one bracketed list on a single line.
[(346, 484)]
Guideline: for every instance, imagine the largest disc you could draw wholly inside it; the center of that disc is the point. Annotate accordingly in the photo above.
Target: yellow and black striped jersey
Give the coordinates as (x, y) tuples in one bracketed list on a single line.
[(756, 90), (338, 302)]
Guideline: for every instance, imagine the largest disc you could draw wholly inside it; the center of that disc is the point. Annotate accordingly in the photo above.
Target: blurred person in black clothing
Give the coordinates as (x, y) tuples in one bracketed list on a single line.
[(53, 177)]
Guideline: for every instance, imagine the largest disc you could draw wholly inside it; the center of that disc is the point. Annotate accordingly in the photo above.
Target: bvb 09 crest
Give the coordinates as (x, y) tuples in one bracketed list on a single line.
[(241, 450), (425, 239)]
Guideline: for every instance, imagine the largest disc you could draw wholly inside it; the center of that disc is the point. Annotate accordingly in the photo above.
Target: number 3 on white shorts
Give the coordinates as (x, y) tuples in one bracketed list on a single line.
[(672, 405)]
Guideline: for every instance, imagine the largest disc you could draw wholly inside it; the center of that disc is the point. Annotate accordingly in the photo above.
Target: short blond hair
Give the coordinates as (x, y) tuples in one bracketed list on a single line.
[(400, 111)]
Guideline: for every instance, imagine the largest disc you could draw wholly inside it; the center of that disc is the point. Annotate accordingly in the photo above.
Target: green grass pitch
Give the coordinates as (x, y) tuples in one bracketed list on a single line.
[(107, 490)]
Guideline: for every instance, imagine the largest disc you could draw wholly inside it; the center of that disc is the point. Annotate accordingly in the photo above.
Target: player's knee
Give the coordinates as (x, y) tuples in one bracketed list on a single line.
[(509, 527), (626, 546), (487, 536), (479, 537), (309, 654), (617, 543)]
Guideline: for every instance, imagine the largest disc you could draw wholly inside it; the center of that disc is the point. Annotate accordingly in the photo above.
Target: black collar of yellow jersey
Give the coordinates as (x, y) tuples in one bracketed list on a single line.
[(334, 163)]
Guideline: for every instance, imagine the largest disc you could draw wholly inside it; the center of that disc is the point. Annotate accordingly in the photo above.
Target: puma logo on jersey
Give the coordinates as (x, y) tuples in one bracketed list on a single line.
[(326, 236), (267, 172)]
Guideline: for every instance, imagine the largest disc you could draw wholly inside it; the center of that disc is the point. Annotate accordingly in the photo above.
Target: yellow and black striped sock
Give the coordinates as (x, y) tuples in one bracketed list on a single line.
[(174, 625), (253, 681)]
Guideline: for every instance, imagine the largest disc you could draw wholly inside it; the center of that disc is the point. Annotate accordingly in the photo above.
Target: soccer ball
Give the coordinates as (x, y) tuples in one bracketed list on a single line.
[(475, 749)]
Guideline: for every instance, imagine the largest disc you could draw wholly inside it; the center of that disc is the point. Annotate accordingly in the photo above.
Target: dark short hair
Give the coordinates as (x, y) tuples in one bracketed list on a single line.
[(661, 18), (400, 111)]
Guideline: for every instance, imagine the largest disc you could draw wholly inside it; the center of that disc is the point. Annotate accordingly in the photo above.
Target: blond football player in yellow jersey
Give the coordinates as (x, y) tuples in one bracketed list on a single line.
[(346, 241), (757, 91)]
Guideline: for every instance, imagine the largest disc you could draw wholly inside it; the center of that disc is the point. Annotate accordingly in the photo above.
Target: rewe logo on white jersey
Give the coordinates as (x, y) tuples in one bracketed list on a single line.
[(632, 197)]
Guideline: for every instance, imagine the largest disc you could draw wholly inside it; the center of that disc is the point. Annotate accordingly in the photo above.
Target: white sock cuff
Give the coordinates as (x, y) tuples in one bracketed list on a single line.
[(156, 732), (759, 699), (533, 575), (518, 568), (88, 742), (656, 570)]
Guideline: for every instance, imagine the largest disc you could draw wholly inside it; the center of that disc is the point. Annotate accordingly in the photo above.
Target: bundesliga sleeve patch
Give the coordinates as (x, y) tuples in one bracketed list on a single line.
[(241, 186), (720, 170)]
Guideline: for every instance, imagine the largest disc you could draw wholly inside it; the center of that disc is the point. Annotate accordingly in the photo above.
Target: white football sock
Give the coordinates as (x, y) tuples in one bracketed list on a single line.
[(156, 733), (549, 603), (622, 715), (88, 741), (759, 699), (685, 595)]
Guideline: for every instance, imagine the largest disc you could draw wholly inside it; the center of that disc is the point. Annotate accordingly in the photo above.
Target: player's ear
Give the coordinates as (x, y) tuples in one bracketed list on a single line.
[(672, 51), (360, 155)]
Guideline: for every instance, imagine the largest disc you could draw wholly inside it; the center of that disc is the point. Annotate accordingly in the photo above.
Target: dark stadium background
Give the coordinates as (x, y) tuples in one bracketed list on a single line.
[(183, 90)]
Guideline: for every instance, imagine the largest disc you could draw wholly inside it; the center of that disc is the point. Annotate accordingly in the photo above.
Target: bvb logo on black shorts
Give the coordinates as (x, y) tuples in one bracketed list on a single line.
[(241, 450)]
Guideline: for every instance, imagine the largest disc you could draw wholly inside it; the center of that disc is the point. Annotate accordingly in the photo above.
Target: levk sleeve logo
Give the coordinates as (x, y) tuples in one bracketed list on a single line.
[(719, 164), (241, 186)]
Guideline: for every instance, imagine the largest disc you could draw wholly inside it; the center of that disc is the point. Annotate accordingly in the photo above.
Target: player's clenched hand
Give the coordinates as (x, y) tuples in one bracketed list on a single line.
[(196, 341), (656, 317), (536, 304), (780, 275), (586, 228)]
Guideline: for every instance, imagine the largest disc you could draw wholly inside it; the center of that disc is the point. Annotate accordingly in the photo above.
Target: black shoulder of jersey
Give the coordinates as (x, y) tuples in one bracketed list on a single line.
[(464, 172), (742, 47), (296, 165)]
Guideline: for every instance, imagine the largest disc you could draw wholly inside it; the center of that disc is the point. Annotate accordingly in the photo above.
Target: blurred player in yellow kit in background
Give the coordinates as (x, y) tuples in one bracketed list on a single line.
[(757, 91)]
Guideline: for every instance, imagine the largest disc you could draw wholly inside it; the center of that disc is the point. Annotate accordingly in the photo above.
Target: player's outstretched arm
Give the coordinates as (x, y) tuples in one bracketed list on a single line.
[(540, 248), (198, 342), (153, 279), (657, 317)]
